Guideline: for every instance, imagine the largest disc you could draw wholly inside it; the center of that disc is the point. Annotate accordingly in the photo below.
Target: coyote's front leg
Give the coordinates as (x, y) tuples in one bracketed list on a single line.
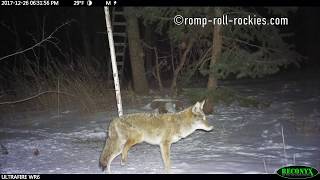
[(129, 143), (165, 152)]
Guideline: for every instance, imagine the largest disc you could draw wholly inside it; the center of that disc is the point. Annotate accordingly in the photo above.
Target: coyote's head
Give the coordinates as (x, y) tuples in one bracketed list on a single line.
[(199, 118)]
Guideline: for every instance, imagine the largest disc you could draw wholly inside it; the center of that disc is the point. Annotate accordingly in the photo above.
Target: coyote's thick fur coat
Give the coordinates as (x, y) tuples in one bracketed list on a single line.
[(158, 129)]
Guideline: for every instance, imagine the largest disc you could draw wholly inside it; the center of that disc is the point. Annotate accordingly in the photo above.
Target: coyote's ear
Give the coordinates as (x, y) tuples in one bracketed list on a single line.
[(202, 103), (196, 108)]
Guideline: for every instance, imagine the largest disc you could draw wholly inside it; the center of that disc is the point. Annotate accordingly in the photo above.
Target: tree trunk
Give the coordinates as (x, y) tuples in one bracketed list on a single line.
[(113, 61), (149, 56), (216, 53), (84, 33), (140, 83), (157, 66), (180, 66), (151, 53)]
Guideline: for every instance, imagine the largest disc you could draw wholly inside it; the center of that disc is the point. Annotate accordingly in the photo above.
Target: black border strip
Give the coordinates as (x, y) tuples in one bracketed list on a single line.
[(195, 3), (150, 176)]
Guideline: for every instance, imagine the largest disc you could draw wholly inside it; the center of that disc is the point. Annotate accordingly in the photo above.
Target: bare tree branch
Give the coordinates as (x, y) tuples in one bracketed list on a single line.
[(250, 44), (32, 97), (47, 39), (157, 66)]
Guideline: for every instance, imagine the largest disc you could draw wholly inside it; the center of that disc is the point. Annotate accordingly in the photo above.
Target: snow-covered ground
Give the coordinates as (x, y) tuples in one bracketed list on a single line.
[(245, 140)]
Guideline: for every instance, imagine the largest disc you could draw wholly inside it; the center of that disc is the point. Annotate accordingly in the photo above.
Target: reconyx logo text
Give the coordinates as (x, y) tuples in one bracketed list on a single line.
[(297, 172)]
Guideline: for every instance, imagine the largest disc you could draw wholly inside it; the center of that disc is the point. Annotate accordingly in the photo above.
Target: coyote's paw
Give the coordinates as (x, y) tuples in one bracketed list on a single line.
[(123, 162)]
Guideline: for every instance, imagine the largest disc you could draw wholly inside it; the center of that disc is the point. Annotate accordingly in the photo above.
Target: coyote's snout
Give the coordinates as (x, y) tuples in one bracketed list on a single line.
[(160, 129)]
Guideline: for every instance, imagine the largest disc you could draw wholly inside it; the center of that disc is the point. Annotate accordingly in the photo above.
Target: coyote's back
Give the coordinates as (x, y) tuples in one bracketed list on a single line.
[(158, 129)]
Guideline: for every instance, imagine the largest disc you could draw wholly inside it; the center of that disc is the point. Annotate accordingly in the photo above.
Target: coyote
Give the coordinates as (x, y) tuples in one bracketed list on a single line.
[(157, 129)]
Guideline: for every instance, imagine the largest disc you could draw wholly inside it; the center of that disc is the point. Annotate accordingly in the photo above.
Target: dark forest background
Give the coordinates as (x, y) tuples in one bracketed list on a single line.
[(75, 60)]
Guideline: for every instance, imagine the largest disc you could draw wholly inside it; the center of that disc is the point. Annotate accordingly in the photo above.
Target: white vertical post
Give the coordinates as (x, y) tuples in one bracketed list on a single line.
[(113, 62)]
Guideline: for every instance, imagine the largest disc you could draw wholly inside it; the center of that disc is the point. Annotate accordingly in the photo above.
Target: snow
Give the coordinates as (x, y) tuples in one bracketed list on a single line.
[(242, 141)]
